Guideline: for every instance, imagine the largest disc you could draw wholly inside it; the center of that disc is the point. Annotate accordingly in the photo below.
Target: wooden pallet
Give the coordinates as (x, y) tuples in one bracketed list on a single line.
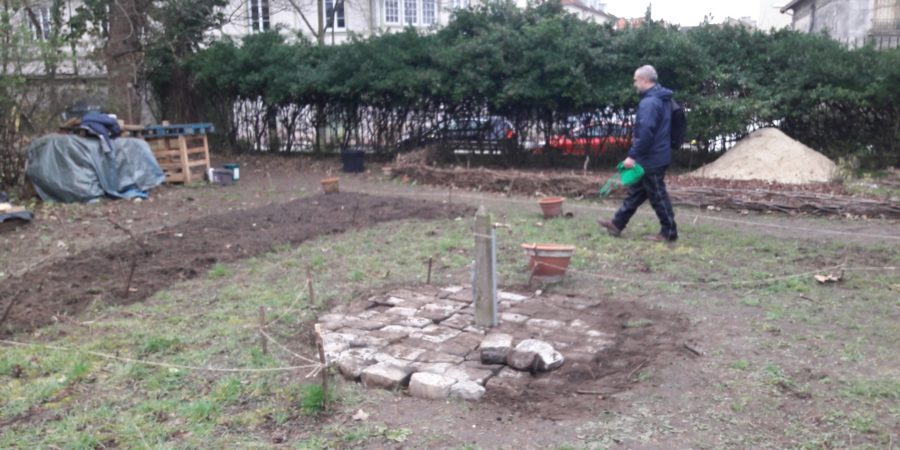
[(182, 158)]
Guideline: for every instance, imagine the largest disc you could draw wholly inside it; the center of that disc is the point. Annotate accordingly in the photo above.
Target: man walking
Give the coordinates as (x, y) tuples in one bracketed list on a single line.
[(651, 148)]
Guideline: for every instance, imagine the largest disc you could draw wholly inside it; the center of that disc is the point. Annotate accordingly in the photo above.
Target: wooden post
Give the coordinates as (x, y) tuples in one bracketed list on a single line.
[(485, 286), (263, 342), (309, 285), (321, 346), (185, 164), (430, 262)]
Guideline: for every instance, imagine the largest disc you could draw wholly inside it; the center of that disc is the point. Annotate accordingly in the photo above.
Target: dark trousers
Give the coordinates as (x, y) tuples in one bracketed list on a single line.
[(651, 187)]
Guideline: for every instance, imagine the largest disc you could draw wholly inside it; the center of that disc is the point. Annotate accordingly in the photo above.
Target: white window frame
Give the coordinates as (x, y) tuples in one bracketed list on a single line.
[(415, 12), (263, 22), (433, 10), (397, 11), (334, 23), (460, 4)]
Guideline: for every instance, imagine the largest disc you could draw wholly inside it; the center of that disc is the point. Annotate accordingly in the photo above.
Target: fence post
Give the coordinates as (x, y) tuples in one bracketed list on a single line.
[(485, 279)]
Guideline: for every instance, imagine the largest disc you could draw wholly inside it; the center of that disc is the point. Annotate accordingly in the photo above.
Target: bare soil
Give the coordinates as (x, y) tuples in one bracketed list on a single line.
[(131, 271)]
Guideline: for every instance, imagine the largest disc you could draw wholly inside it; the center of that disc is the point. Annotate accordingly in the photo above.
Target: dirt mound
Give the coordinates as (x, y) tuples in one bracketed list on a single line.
[(189, 249), (770, 155)]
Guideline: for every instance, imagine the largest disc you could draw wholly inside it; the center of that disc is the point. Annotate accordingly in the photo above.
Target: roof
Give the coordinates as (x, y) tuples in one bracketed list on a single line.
[(583, 7), (791, 5)]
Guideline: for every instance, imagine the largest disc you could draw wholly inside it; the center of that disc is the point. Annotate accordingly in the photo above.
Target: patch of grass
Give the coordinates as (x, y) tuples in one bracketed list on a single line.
[(202, 410), (741, 364), (637, 323), (158, 345), (398, 435), (218, 271), (873, 389), (312, 399)]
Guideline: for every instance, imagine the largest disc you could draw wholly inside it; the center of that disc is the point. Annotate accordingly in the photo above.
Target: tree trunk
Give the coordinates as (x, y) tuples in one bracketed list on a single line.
[(123, 57)]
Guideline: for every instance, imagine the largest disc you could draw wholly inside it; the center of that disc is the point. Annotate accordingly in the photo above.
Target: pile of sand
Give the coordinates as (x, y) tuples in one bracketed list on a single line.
[(768, 154)]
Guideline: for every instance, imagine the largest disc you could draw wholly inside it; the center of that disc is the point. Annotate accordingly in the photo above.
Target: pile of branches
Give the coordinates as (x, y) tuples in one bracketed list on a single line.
[(815, 199)]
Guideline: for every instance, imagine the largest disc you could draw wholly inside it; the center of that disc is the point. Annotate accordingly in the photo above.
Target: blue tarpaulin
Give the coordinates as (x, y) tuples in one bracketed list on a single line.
[(70, 168)]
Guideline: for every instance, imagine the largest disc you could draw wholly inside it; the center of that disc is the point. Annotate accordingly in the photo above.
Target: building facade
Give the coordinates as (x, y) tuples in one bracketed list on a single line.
[(852, 22)]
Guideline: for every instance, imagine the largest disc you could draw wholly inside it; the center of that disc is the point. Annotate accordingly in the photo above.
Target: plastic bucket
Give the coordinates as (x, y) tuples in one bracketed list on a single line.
[(353, 160), (235, 169)]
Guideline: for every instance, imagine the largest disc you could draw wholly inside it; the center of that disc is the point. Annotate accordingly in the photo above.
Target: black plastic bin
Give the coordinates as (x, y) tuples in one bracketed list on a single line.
[(353, 159)]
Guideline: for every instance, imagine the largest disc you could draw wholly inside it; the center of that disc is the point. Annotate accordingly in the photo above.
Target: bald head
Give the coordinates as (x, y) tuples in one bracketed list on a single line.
[(644, 78)]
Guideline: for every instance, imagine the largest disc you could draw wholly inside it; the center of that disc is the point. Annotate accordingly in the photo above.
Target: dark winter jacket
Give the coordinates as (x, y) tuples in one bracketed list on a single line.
[(651, 143)]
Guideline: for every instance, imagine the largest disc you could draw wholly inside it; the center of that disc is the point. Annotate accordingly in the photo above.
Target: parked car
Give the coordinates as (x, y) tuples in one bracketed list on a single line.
[(594, 139), (491, 134)]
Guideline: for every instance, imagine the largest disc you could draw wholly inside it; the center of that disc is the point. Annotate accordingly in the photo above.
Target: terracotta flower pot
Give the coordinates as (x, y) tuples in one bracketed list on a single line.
[(548, 262), (387, 171), (330, 185), (552, 206)]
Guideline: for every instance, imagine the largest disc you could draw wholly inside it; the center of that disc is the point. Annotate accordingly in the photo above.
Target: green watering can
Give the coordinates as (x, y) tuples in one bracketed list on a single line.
[(626, 177)]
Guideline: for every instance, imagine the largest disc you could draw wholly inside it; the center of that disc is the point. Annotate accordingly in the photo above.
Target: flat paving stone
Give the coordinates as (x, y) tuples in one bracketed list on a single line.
[(511, 297), (414, 322), (513, 318), (432, 356), (546, 324), (468, 373), (386, 376), (404, 352), (430, 386), (401, 311), (459, 321), (439, 368), (467, 390), (435, 333), (439, 311), (352, 362)]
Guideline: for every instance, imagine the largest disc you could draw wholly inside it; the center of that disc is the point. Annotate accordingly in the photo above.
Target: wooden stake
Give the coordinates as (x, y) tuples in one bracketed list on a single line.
[(263, 342), (309, 285), (321, 346), (130, 276)]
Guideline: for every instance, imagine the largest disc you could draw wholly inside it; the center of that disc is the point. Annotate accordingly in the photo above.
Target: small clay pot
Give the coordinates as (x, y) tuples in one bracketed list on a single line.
[(548, 262), (551, 206), (330, 185)]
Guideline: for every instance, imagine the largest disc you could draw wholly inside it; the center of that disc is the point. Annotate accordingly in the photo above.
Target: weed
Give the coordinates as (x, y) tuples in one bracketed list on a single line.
[(218, 271), (158, 344), (202, 410), (741, 364), (312, 399), (874, 389), (637, 323)]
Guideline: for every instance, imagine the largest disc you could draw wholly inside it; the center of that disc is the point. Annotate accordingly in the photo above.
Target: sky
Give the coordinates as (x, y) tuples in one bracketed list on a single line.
[(685, 12)]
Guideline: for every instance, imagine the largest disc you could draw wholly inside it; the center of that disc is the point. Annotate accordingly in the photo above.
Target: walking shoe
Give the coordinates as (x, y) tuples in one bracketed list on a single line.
[(660, 238), (611, 228)]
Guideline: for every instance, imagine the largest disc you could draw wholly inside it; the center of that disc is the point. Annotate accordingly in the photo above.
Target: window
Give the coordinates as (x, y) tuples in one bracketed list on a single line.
[(334, 10), (429, 8), (409, 12), (460, 4), (259, 15), (392, 11), (41, 23), (887, 15)]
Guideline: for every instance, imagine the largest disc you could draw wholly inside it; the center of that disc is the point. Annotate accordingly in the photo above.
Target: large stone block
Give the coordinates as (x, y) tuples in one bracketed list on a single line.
[(439, 311), (495, 347), (430, 385), (534, 355), (467, 390), (352, 362), (385, 375)]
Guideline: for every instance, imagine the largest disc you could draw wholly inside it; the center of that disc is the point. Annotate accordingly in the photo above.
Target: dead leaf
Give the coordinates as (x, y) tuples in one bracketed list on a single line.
[(360, 416), (830, 278)]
